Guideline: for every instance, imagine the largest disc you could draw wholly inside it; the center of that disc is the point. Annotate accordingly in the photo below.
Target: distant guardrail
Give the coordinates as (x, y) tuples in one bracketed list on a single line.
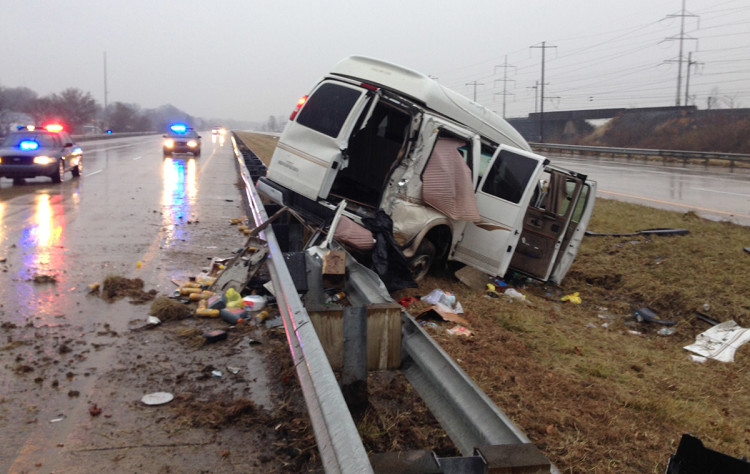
[(103, 136), (667, 155)]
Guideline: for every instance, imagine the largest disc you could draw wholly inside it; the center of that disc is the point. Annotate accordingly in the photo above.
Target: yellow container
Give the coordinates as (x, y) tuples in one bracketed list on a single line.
[(187, 291), (207, 313)]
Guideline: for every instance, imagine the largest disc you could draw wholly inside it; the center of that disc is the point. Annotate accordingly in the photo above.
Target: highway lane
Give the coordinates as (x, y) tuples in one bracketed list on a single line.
[(712, 192), (130, 206)]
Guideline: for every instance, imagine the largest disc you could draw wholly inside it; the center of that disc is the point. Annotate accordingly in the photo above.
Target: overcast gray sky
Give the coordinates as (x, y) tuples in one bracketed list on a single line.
[(248, 59)]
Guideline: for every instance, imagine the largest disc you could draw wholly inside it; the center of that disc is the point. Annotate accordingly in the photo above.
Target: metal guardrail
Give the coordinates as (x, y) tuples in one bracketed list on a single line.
[(705, 156), (470, 418), (338, 440)]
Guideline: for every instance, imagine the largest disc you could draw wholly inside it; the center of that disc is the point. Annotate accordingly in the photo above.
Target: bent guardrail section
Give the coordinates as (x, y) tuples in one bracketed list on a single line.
[(338, 440)]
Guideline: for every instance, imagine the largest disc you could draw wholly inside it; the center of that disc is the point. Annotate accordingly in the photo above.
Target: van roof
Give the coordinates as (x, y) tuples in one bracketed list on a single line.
[(434, 96)]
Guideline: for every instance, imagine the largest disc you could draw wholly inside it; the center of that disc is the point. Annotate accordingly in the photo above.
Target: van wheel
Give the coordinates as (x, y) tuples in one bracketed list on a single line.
[(420, 263)]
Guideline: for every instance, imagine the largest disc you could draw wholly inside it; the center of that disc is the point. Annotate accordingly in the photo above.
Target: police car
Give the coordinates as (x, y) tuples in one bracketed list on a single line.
[(48, 151), (181, 139)]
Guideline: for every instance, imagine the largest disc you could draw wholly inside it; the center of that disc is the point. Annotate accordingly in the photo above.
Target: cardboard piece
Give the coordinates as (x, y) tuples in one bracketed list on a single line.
[(436, 313)]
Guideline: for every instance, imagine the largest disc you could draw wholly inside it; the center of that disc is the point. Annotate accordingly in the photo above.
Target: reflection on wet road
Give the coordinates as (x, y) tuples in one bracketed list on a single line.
[(180, 191)]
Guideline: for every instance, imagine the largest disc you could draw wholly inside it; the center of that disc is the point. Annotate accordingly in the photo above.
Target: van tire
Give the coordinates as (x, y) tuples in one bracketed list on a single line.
[(423, 258)]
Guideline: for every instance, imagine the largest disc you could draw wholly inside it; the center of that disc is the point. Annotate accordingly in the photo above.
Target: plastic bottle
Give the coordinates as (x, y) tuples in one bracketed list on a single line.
[(336, 298), (262, 316)]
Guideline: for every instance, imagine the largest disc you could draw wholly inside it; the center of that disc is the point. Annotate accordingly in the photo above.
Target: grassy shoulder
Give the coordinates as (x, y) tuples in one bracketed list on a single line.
[(594, 388)]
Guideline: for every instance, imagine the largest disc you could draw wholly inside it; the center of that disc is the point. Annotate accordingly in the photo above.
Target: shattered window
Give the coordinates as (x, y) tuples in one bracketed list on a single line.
[(327, 109), (509, 176)]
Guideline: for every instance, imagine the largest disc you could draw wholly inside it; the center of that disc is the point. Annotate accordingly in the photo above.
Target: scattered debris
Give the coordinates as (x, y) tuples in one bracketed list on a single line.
[(234, 370), (706, 318), (459, 331), (117, 287), (662, 232), (157, 398), (437, 312), (167, 309), (747, 249), (471, 277), (407, 301), (215, 335), (44, 279), (95, 410), (94, 287), (514, 295), (216, 374), (648, 315), (693, 456), (720, 342), (667, 331), (58, 419), (574, 298)]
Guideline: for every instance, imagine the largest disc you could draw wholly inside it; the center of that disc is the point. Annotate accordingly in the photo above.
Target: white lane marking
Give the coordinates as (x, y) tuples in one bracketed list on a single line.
[(93, 173)]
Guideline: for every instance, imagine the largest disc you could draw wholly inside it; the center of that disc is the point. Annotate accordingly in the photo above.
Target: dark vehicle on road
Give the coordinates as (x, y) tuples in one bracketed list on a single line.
[(30, 152), (181, 139)]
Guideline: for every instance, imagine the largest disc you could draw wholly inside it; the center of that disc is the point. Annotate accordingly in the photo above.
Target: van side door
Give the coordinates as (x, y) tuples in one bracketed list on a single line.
[(312, 148), (546, 222), (576, 230), (503, 194)]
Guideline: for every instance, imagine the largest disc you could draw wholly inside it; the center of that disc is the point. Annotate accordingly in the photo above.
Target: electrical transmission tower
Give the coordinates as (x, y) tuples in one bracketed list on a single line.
[(543, 46), (505, 81), (681, 38)]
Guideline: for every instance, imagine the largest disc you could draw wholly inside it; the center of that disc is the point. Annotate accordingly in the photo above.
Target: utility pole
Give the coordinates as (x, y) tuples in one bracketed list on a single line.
[(690, 62), (106, 112), (543, 46), (475, 84), (504, 80), (682, 37)]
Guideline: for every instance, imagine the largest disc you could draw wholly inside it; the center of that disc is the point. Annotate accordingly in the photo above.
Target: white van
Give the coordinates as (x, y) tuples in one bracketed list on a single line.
[(458, 182)]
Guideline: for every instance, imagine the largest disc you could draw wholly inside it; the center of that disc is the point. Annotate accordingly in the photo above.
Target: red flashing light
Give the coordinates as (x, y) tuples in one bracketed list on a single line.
[(300, 103), (369, 86), (54, 127)]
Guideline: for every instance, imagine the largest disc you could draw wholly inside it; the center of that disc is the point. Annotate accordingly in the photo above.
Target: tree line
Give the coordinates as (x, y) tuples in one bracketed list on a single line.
[(80, 113)]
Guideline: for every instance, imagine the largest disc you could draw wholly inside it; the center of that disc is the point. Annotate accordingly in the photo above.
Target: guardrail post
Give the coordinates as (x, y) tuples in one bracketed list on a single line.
[(354, 372)]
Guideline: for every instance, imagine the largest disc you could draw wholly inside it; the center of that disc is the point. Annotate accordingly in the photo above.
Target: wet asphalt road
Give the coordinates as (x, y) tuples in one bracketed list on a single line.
[(714, 193), (130, 206), (133, 214)]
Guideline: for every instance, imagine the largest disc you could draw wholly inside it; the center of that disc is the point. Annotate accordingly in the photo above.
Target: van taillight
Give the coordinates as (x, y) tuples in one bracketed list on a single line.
[(369, 86), (300, 103)]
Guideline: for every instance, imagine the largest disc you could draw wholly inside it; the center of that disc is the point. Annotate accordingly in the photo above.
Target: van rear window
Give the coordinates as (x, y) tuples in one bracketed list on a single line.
[(327, 109)]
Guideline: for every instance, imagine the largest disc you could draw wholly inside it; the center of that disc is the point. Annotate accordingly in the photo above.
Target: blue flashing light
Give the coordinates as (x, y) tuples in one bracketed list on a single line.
[(109, 132), (178, 128), (28, 145)]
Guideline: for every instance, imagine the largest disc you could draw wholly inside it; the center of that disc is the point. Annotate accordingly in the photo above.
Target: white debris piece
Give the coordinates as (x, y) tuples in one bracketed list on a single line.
[(720, 342)]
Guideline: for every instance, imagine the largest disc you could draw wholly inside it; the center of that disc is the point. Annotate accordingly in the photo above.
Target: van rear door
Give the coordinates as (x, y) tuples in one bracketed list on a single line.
[(311, 150), (503, 196)]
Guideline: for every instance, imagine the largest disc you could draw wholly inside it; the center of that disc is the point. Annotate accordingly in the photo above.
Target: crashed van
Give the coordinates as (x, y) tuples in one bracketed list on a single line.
[(456, 180)]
